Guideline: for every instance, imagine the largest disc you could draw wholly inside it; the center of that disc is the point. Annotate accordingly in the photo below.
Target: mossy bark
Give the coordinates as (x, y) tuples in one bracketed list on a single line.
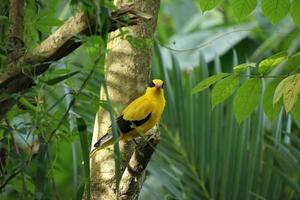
[(127, 72)]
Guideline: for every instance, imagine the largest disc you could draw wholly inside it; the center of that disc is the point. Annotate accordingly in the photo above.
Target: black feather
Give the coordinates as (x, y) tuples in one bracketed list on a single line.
[(128, 125), (124, 126), (105, 138)]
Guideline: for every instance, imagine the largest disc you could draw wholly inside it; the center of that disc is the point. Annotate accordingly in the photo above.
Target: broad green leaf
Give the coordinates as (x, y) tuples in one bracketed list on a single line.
[(275, 10), (292, 63), (271, 109), (208, 4), (291, 92), (247, 98), (242, 8), (61, 78), (223, 89), (295, 12), (208, 82), (280, 89), (271, 62), (242, 67)]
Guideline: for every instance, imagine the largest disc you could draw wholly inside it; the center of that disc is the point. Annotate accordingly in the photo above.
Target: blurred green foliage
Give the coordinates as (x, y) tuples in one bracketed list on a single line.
[(204, 153)]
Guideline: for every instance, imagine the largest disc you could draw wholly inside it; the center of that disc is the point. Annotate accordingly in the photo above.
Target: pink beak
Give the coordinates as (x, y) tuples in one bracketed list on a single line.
[(158, 85)]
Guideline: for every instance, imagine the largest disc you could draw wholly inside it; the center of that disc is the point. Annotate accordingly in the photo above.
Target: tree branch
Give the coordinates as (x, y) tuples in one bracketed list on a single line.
[(19, 75), (16, 19), (132, 179), (16, 29), (15, 44)]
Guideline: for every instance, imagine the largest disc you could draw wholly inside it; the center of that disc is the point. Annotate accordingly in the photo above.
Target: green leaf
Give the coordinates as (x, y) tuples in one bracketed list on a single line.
[(208, 82), (208, 4), (242, 67), (82, 129), (242, 8), (275, 10), (60, 78), (295, 12), (291, 92), (280, 89), (292, 63), (50, 22), (223, 89), (247, 98), (271, 62), (271, 109), (27, 104)]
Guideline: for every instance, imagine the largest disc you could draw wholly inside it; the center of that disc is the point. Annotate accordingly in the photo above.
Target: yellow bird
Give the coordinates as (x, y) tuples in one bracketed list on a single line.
[(138, 117)]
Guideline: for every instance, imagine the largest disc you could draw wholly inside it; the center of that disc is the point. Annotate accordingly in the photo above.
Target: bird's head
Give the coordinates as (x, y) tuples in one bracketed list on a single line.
[(156, 86)]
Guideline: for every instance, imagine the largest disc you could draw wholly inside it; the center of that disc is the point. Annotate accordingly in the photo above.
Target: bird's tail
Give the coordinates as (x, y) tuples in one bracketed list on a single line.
[(103, 142)]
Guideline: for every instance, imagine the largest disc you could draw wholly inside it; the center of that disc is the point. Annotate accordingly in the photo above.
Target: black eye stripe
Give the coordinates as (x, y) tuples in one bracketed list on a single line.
[(151, 84), (162, 86)]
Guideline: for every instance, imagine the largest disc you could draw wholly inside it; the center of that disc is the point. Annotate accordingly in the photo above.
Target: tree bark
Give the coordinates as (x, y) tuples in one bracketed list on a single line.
[(127, 72), (17, 78), (16, 29)]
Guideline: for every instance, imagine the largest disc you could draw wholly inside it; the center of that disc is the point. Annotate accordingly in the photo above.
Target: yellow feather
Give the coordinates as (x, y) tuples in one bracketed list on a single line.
[(153, 102)]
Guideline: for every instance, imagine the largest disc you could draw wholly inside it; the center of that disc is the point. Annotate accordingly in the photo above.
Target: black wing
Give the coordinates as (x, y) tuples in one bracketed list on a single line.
[(124, 126), (127, 125)]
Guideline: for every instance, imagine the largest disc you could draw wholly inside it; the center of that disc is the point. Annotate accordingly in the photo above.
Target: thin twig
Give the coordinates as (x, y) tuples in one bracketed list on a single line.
[(9, 178)]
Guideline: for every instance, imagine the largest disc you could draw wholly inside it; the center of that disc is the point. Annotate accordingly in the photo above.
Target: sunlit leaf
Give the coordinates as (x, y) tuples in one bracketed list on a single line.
[(208, 82), (275, 10), (243, 67), (223, 89), (271, 109), (247, 98), (208, 4), (242, 8), (291, 92), (280, 89), (295, 12), (271, 62)]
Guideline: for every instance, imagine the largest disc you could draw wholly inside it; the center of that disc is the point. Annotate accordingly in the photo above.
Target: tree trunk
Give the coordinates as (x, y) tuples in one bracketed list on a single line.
[(127, 72)]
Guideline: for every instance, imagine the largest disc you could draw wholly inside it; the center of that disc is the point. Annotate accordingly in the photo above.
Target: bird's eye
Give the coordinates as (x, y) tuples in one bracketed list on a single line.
[(151, 84), (162, 86)]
